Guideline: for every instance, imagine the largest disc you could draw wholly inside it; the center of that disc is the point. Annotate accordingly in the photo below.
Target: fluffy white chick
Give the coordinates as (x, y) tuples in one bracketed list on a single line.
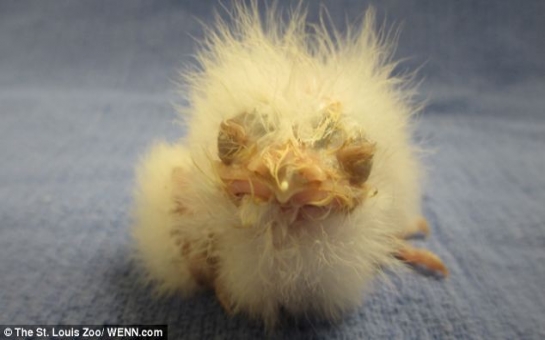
[(297, 181)]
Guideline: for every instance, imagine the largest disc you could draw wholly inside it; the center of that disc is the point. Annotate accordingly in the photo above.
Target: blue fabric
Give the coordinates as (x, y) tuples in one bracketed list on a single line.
[(86, 86)]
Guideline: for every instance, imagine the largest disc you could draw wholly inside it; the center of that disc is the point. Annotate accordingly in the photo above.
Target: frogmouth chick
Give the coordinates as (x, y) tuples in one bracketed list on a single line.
[(297, 182)]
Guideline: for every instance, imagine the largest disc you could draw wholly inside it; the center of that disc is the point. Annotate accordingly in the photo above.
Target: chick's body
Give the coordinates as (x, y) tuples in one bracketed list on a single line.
[(296, 178)]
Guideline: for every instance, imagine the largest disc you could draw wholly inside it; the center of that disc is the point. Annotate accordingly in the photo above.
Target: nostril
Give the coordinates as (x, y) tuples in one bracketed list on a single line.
[(240, 188), (312, 173), (257, 166)]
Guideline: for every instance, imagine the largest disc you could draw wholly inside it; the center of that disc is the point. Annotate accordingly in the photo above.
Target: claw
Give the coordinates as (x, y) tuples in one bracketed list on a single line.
[(419, 229), (422, 258)]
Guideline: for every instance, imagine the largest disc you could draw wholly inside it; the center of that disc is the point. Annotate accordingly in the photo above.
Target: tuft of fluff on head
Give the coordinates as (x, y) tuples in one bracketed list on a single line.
[(286, 72), (290, 69)]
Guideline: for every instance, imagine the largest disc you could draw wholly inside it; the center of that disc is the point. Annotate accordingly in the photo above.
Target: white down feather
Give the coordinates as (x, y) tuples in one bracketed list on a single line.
[(288, 71)]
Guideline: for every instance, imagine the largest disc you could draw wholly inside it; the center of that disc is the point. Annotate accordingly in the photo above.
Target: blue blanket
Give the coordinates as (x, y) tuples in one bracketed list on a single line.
[(86, 86)]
